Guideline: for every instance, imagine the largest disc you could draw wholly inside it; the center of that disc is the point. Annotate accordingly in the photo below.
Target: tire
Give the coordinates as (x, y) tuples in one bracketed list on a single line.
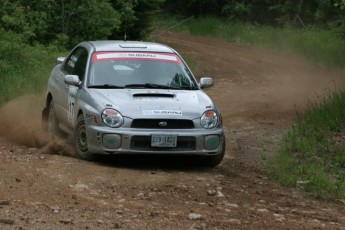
[(52, 123), (213, 161), (80, 141)]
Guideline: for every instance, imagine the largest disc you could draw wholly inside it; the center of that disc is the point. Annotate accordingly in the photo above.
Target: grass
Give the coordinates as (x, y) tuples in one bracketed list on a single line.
[(322, 46), (24, 69), (313, 150)]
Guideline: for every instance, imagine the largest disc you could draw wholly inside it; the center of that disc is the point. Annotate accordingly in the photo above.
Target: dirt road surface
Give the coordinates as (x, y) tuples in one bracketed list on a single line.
[(45, 187)]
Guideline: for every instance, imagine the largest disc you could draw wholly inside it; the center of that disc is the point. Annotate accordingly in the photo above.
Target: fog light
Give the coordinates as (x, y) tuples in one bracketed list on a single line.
[(211, 142), (111, 141)]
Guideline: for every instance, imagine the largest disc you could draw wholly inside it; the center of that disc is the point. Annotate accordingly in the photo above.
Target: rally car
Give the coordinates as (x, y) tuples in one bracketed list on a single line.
[(125, 97)]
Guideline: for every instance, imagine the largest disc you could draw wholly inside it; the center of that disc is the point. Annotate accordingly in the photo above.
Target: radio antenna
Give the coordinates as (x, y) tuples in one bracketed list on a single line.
[(125, 37)]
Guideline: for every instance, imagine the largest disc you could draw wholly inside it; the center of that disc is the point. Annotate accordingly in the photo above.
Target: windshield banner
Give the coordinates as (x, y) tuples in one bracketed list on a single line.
[(146, 56)]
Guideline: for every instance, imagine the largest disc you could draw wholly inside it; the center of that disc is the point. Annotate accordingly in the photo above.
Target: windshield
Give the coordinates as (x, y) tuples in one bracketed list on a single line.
[(138, 69)]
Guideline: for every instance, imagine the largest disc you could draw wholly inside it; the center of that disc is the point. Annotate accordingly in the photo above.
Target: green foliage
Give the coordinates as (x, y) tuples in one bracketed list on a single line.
[(265, 12), (69, 22), (311, 153), (194, 7), (24, 69), (136, 18), (89, 20), (323, 46)]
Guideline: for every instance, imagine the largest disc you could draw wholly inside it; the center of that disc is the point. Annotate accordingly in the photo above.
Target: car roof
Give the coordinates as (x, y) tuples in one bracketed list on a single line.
[(114, 45)]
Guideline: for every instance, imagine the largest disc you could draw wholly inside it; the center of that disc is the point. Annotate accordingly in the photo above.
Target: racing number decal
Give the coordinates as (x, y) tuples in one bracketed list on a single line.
[(72, 91), (70, 112)]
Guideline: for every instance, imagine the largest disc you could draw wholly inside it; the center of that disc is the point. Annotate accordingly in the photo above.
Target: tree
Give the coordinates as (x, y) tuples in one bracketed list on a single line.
[(87, 20), (136, 18), (72, 21)]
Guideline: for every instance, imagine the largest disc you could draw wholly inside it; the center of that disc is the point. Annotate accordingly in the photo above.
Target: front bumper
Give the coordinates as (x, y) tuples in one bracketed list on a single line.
[(105, 140)]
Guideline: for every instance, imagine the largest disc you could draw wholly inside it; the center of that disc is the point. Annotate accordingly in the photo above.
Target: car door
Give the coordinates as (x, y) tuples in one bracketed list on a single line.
[(75, 64)]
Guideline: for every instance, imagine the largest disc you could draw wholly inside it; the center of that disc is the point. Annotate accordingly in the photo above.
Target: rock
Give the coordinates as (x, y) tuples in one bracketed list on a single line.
[(55, 210), (100, 222), (211, 192), (316, 221), (119, 211), (279, 217), (262, 210), (140, 196), (220, 194), (234, 221), (233, 205), (195, 216), (66, 221), (6, 221), (4, 202)]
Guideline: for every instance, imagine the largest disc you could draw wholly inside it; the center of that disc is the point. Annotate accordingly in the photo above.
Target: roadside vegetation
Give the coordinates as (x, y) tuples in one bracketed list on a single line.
[(312, 156), (319, 45), (24, 69), (34, 33)]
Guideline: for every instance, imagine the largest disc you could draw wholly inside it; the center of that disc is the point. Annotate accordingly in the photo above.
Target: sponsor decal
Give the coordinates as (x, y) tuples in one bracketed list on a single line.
[(162, 112), (146, 56)]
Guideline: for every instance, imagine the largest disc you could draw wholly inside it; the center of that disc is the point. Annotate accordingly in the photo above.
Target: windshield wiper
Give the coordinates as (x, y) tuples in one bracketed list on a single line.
[(152, 86), (106, 86)]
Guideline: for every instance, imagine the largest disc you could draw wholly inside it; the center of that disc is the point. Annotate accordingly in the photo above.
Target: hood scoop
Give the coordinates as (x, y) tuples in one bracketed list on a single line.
[(156, 95)]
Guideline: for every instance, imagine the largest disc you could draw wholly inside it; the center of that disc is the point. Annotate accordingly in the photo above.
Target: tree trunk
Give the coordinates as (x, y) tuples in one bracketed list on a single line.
[(299, 8)]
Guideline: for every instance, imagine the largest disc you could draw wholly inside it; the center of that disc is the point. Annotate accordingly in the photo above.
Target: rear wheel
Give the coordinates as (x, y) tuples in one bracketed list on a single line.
[(80, 140), (52, 126)]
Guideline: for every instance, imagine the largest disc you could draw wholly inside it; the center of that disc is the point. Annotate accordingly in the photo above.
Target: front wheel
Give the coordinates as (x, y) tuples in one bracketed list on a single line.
[(80, 140)]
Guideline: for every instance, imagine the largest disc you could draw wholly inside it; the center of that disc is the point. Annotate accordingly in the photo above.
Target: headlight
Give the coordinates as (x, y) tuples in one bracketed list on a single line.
[(112, 118), (209, 119)]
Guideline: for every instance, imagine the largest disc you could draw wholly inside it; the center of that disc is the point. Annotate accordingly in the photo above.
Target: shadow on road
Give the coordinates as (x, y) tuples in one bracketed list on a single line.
[(155, 162)]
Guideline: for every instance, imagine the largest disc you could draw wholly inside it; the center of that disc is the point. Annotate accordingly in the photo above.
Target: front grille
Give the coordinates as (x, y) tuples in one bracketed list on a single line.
[(144, 143), (162, 124)]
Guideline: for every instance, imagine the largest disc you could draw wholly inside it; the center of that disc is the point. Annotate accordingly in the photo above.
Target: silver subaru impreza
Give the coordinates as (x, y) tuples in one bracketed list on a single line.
[(123, 97)]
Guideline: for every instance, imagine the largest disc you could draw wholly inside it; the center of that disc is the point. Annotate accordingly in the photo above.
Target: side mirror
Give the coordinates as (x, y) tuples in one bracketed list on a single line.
[(72, 80), (60, 59), (206, 82)]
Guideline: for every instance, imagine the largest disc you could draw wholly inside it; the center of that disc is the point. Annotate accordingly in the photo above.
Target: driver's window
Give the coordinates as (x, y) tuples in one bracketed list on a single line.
[(76, 63)]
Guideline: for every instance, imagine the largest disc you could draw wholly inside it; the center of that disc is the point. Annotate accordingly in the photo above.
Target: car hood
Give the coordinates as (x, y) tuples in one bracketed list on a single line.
[(147, 103)]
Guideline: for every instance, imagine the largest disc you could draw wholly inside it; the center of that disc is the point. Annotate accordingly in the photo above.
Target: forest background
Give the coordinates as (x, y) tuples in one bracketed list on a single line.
[(65, 23)]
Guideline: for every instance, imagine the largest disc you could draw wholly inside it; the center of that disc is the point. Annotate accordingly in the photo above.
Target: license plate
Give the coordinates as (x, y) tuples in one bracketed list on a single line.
[(162, 140)]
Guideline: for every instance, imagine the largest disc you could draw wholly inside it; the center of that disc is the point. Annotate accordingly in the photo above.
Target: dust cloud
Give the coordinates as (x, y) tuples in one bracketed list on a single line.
[(20, 123)]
